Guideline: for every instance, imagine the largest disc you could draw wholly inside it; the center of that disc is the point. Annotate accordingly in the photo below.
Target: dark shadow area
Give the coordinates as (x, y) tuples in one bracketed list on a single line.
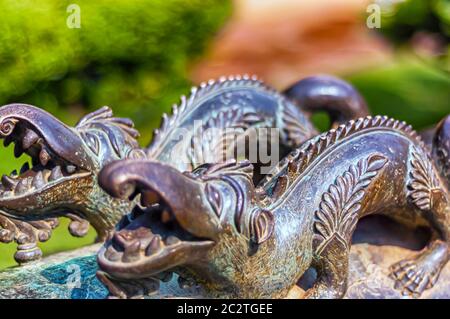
[(380, 230)]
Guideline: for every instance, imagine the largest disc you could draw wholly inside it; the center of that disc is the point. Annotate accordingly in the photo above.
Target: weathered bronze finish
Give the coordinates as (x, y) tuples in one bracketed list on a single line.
[(240, 103), (340, 100), (62, 180), (213, 226)]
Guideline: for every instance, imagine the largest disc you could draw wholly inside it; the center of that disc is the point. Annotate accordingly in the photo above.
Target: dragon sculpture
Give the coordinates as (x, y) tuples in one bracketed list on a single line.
[(62, 180), (214, 227)]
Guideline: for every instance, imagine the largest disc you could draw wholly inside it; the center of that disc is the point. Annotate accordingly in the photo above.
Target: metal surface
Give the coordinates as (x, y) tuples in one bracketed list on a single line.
[(71, 275), (214, 227), (62, 180)]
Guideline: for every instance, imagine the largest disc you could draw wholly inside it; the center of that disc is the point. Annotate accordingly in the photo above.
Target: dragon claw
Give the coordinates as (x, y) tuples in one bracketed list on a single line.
[(413, 276)]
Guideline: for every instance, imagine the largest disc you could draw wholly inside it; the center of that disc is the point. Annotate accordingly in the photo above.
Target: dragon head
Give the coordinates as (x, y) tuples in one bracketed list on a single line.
[(65, 163), (201, 223)]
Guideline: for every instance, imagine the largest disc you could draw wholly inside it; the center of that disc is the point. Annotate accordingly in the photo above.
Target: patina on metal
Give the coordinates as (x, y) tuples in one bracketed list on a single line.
[(214, 227), (338, 98), (65, 160), (375, 246), (238, 104)]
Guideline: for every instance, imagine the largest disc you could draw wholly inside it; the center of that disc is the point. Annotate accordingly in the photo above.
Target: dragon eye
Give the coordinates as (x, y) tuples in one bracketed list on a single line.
[(92, 141), (214, 198)]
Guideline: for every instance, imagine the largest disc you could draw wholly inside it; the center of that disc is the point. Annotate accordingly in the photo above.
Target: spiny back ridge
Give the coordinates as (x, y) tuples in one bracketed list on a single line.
[(300, 159), (169, 122)]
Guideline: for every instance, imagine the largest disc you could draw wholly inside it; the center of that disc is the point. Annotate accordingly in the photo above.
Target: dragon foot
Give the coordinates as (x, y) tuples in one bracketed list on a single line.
[(414, 275)]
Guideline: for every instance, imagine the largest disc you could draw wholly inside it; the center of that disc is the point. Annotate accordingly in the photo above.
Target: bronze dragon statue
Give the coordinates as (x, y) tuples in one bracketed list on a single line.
[(62, 180), (214, 226)]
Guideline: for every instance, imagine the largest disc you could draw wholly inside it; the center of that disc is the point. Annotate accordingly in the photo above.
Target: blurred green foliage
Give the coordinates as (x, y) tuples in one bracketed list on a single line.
[(425, 21), (416, 86), (410, 16), (129, 54), (407, 89)]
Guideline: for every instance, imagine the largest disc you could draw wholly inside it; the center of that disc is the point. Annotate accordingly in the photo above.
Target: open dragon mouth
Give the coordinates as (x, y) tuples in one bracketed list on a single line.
[(150, 241), (47, 170)]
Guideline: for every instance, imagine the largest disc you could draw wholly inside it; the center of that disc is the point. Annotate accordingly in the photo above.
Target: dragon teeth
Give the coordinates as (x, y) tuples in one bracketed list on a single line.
[(25, 167), (55, 174), (21, 187), (44, 157), (154, 246), (29, 139), (131, 252), (70, 169), (9, 182), (38, 180)]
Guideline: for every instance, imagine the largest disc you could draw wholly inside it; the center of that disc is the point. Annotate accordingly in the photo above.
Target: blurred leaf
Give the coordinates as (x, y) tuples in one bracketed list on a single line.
[(408, 89), (129, 54)]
